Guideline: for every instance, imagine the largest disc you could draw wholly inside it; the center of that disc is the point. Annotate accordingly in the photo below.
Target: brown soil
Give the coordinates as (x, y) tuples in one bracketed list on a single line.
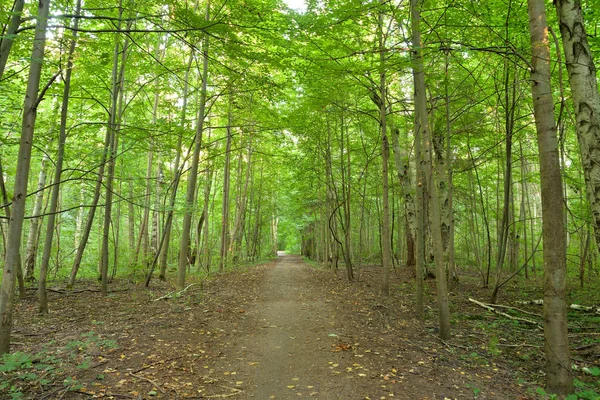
[(278, 331)]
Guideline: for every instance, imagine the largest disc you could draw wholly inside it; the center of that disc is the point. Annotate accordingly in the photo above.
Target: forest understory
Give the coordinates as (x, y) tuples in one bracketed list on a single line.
[(284, 330)]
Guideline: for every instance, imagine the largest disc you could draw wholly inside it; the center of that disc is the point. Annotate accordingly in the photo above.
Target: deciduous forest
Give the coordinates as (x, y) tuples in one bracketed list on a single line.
[(432, 165)]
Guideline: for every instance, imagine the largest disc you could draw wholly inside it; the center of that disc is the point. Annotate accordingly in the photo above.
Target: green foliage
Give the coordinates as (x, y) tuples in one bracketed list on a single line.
[(475, 389), (15, 361), (22, 371)]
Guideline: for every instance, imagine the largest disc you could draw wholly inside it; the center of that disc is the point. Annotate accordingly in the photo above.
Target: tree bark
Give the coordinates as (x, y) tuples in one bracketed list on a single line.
[(226, 181), (8, 37), (386, 256), (116, 107), (558, 363), (402, 163), (586, 99), (62, 137), (164, 252), (509, 107), (193, 174), (34, 228), (23, 166), (422, 124)]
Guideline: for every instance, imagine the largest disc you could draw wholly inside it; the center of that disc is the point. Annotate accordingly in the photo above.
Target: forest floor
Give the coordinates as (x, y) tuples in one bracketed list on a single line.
[(282, 330)]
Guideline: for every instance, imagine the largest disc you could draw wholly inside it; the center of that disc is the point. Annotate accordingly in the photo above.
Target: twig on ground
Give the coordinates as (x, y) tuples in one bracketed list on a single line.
[(153, 364), (173, 294), (585, 334), (156, 385), (518, 345), (126, 396), (587, 346), (450, 345), (235, 392)]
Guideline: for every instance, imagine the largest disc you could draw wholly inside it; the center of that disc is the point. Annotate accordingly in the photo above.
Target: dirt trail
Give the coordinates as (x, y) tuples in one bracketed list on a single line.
[(281, 330), (290, 352)]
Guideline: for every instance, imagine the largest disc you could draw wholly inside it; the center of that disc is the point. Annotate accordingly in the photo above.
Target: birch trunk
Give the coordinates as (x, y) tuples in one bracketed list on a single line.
[(401, 161), (422, 124), (586, 99)]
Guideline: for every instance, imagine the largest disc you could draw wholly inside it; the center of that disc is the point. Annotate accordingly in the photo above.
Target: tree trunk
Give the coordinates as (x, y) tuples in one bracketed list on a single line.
[(116, 107), (422, 124), (15, 228), (33, 236), (402, 163), (386, 256), (242, 201), (193, 174), (164, 252), (586, 99), (448, 199), (8, 37), (226, 181), (509, 107), (62, 137), (558, 363)]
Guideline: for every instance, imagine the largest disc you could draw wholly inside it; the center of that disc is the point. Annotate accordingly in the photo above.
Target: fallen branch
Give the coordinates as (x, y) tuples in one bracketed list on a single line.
[(489, 307), (578, 307), (153, 364), (518, 309), (236, 392), (174, 294)]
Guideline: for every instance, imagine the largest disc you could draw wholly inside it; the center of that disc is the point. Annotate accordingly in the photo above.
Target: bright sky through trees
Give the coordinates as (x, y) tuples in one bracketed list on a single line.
[(297, 5)]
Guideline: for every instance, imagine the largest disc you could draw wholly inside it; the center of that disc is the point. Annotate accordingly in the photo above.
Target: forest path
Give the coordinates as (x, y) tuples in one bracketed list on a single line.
[(280, 330), (289, 354)]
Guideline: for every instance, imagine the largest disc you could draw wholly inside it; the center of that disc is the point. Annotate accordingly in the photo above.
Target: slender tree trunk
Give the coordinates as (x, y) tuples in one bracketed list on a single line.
[(15, 227), (402, 163), (142, 244), (449, 210), (91, 214), (62, 137), (206, 225), (131, 219), (422, 124), (34, 229), (509, 105), (176, 174), (586, 99), (193, 174), (242, 201), (420, 181), (558, 363), (524, 209), (19, 272), (116, 107), (226, 182), (386, 256), (8, 36)]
